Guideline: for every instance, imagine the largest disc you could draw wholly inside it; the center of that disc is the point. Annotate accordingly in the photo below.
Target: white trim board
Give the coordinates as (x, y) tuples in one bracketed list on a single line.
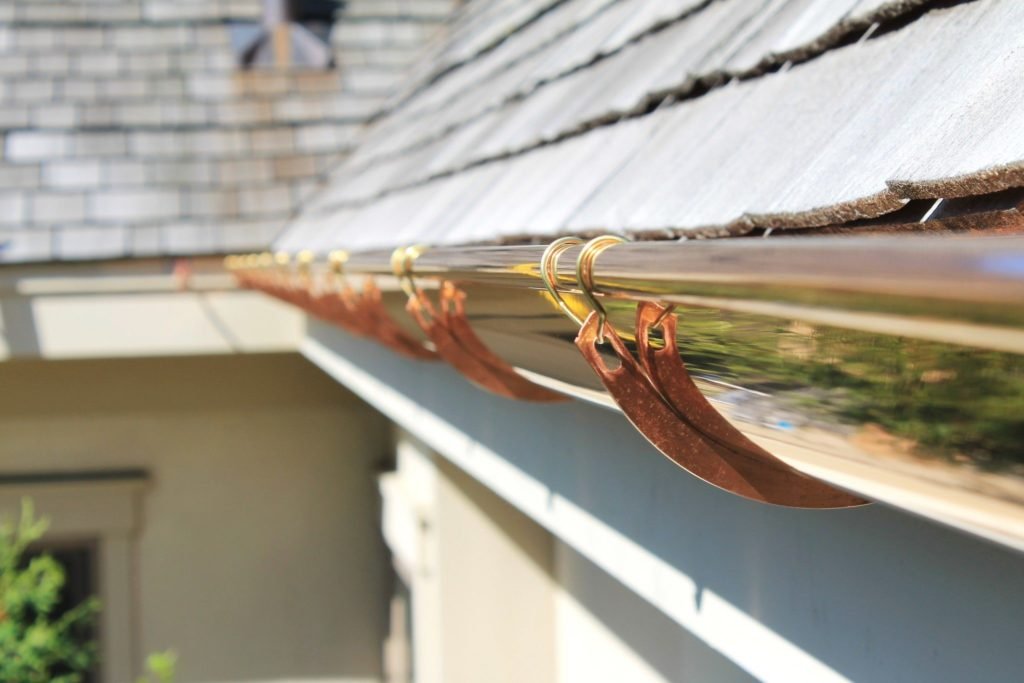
[(145, 323)]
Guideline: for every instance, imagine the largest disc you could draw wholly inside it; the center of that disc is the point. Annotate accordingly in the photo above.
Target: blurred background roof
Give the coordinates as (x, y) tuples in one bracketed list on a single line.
[(129, 128)]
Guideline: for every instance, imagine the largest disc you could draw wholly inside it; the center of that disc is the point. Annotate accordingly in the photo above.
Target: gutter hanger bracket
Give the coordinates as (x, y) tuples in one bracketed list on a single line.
[(659, 398), (455, 340)]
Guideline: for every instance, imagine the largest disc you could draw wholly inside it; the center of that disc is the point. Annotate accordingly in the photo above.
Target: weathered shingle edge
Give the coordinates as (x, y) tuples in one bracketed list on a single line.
[(992, 213), (985, 181), (898, 195), (889, 16), (871, 206)]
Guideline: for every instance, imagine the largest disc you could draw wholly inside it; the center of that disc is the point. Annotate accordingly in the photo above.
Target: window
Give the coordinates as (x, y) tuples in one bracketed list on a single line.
[(294, 33), (94, 518)]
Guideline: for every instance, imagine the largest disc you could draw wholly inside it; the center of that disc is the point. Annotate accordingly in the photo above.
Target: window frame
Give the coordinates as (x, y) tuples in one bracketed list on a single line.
[(106, 511)]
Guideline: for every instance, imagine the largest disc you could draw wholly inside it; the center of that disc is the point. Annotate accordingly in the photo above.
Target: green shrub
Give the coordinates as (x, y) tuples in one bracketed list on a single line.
[(36, 644), (160, 667)]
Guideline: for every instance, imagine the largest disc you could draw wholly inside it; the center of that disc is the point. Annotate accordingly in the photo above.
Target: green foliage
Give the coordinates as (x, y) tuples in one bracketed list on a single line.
[(37, 646), (953, 402), (160, 667), (961, 404)]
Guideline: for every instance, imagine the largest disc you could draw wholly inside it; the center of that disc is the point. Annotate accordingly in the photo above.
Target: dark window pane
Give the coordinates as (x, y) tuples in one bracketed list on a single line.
[(80, 582), (316, 10)]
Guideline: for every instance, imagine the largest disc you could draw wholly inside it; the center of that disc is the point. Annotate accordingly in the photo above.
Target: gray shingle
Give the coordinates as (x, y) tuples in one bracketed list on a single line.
[(926, 110)]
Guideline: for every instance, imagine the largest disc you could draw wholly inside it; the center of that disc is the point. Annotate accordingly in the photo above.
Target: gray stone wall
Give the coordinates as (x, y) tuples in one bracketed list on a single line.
[(128, 130)]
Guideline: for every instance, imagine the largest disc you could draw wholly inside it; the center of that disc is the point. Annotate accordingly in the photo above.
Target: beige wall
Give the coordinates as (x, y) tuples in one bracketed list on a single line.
[(257, 555), (497, 598), (494, 565), (479, 572)]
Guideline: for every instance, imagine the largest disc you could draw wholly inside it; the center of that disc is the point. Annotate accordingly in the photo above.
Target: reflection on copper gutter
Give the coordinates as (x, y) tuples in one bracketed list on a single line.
[(892, 367)]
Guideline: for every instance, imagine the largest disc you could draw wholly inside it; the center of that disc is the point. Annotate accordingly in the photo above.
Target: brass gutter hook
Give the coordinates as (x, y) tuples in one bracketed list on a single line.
[(454, 338), (585, 276), (658, 397), (549, 273)]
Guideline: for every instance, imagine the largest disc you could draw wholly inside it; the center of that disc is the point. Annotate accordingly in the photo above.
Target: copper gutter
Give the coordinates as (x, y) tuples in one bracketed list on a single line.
[(892, 367)]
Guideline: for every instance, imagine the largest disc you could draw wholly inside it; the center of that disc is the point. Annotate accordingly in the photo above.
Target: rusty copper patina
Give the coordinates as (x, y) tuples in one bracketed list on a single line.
[(457, 343), (385, 330), (681, 424)]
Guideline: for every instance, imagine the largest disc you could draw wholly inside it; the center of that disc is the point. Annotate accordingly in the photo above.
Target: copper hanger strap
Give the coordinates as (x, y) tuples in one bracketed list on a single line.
[(272, 285), (301, 282), (667, 372), (278, 286), (321, 299), (326, 304), (339, 303), (287, 290), (776, 480), (385, 330), (320, 305), (343, 306), (652, 416), (458, 327), (449, 348), (243, 278), (344, 311), (340, 307), (302, 297), (644, 406)]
